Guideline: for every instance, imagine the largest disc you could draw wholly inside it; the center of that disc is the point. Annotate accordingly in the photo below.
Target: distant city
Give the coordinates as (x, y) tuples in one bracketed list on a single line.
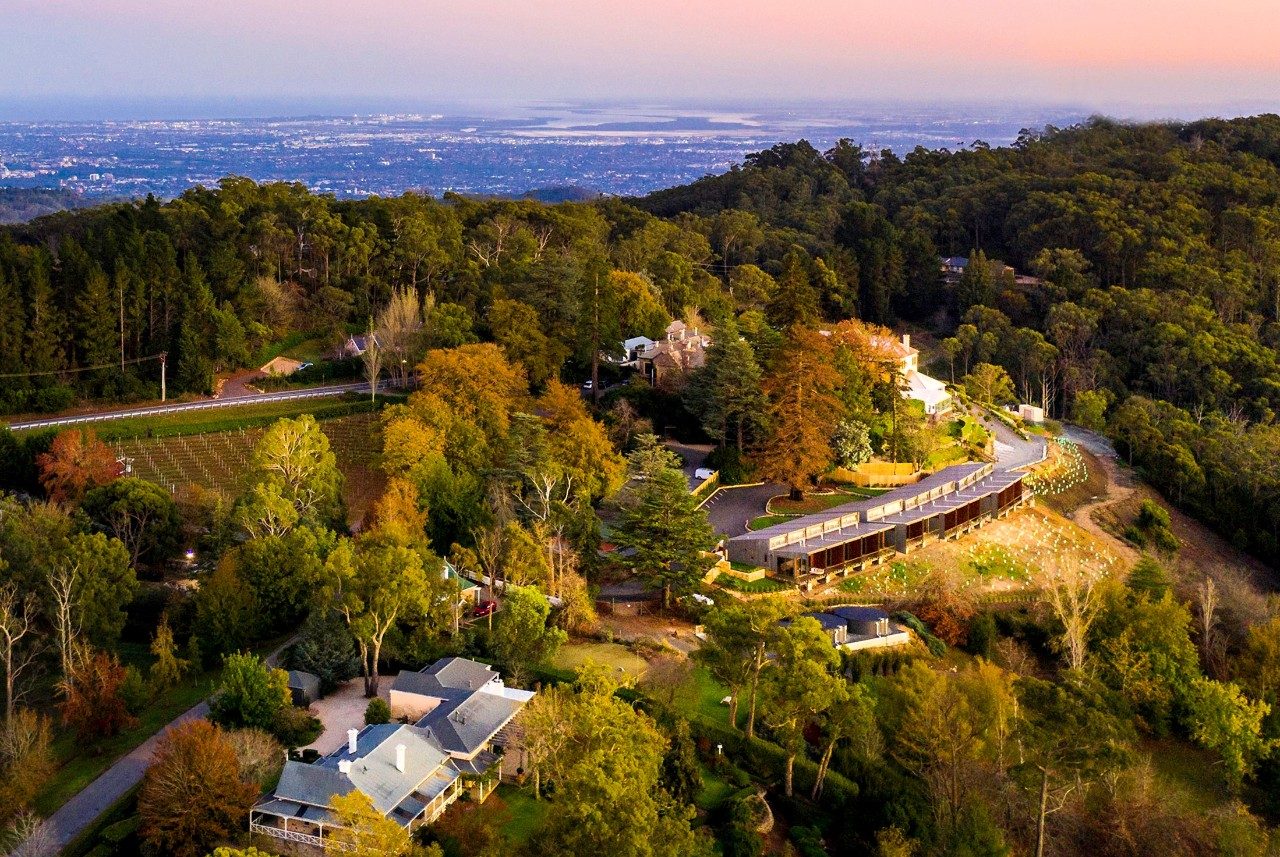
[(613, 150)]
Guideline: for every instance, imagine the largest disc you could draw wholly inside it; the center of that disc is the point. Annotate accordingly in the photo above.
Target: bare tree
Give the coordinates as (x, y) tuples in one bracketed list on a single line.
[(371, 357), (63, 584), (1207, 604), (17, 622), (29, 835), (1071, 592), (399, 329)]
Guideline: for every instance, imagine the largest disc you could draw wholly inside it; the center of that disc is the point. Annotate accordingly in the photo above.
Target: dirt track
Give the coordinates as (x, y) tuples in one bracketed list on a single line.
[(1120, 487)]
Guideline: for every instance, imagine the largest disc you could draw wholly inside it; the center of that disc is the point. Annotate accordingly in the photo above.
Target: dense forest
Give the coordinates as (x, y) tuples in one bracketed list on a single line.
[(1152, 313), (20, 204), (1106, 713)]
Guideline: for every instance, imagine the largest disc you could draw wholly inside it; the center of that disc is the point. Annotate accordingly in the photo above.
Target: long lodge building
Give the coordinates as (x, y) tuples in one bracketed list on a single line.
[(814, 550)]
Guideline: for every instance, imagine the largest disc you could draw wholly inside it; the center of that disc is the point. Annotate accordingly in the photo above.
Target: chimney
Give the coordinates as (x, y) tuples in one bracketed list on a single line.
[(344, 766), (906, 340), (400, 758), (352, 735)]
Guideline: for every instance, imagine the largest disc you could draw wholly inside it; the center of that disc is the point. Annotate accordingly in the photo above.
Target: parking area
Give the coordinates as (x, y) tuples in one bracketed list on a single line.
[(342, 710)]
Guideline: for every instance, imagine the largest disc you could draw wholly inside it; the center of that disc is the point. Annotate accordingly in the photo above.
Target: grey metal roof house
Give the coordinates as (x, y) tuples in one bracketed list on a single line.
[(819, 548), (854, 628), (410, 772), (304, 687)]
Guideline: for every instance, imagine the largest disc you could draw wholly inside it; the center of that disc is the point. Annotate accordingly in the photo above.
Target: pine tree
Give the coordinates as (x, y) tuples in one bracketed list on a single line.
[(795, 301), (96, 326), (669, 534), (195, 338), (12, 325), (726, 393), (803, 413), (43, 335)]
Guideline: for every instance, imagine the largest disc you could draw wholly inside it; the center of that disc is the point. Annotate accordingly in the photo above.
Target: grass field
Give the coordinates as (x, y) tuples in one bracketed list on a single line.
[(768, 521), (765, 584), (701, 699), (1192, 781), (715, 790), (524, 813), (613, 655)]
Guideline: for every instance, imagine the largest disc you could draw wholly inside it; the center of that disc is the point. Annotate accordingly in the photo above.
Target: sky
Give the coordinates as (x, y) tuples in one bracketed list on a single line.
[(125, 58)]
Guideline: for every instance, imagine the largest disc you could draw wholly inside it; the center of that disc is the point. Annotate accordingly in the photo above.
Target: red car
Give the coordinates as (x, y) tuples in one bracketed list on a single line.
[(484, 608)]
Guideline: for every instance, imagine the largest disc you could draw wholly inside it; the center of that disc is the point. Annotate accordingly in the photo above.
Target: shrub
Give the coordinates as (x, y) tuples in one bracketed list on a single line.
[(296, 727), (936, 647), (982, 635), (808, 841), (741, 839), (250, 694), (134, 690), (377, 711)]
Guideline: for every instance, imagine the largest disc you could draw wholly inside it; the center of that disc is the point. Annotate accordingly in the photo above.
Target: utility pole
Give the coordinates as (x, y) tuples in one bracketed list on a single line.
[(164, 355)]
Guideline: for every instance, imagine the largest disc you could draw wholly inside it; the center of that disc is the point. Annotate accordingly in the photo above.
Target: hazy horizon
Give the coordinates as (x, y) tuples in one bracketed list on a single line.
[(79, 59)]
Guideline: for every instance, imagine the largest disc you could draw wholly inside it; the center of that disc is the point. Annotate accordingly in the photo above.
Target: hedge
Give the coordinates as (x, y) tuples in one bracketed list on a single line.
[(768, 761)]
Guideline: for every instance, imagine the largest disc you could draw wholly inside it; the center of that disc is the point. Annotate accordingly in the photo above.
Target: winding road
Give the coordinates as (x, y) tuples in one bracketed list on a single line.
[(202, 404)]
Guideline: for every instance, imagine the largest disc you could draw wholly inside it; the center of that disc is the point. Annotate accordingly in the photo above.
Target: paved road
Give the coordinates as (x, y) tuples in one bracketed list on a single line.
[(1012, 451), (203, 404), (96, 798), (1092, 441), (693, 456), (730, 509), (74, 816)]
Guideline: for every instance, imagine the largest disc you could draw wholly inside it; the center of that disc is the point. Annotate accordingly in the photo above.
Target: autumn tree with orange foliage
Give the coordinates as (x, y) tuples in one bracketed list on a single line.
[(76, 462), (193, 796), (92, 702), (803, 412), (398, 514)]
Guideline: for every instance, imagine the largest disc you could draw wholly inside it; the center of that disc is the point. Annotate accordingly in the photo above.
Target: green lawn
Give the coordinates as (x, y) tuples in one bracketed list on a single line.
[(768, 521), (702, 701), (1190, 776), (614, 655), (766, 584), (526, 813), (811, 503), (715, 789), (311, 349)]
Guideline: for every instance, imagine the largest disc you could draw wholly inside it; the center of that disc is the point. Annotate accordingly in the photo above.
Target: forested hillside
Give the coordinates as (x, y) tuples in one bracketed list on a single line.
[(1153, 312)]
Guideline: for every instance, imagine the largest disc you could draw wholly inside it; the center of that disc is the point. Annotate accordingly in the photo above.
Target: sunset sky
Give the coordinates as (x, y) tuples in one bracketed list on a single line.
[(1136, 55)]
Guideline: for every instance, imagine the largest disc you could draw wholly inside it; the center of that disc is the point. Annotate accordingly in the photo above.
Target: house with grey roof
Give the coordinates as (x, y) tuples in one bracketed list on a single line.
[(855, 628), (459, 735), (303, 687)]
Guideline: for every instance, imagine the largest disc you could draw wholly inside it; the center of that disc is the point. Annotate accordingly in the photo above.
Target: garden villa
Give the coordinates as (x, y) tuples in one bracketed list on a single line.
[(921, 388), (459, 737)]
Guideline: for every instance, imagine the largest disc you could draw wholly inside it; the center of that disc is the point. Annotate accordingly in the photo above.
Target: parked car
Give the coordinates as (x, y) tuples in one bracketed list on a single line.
[(484, 608), (587, 386)]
